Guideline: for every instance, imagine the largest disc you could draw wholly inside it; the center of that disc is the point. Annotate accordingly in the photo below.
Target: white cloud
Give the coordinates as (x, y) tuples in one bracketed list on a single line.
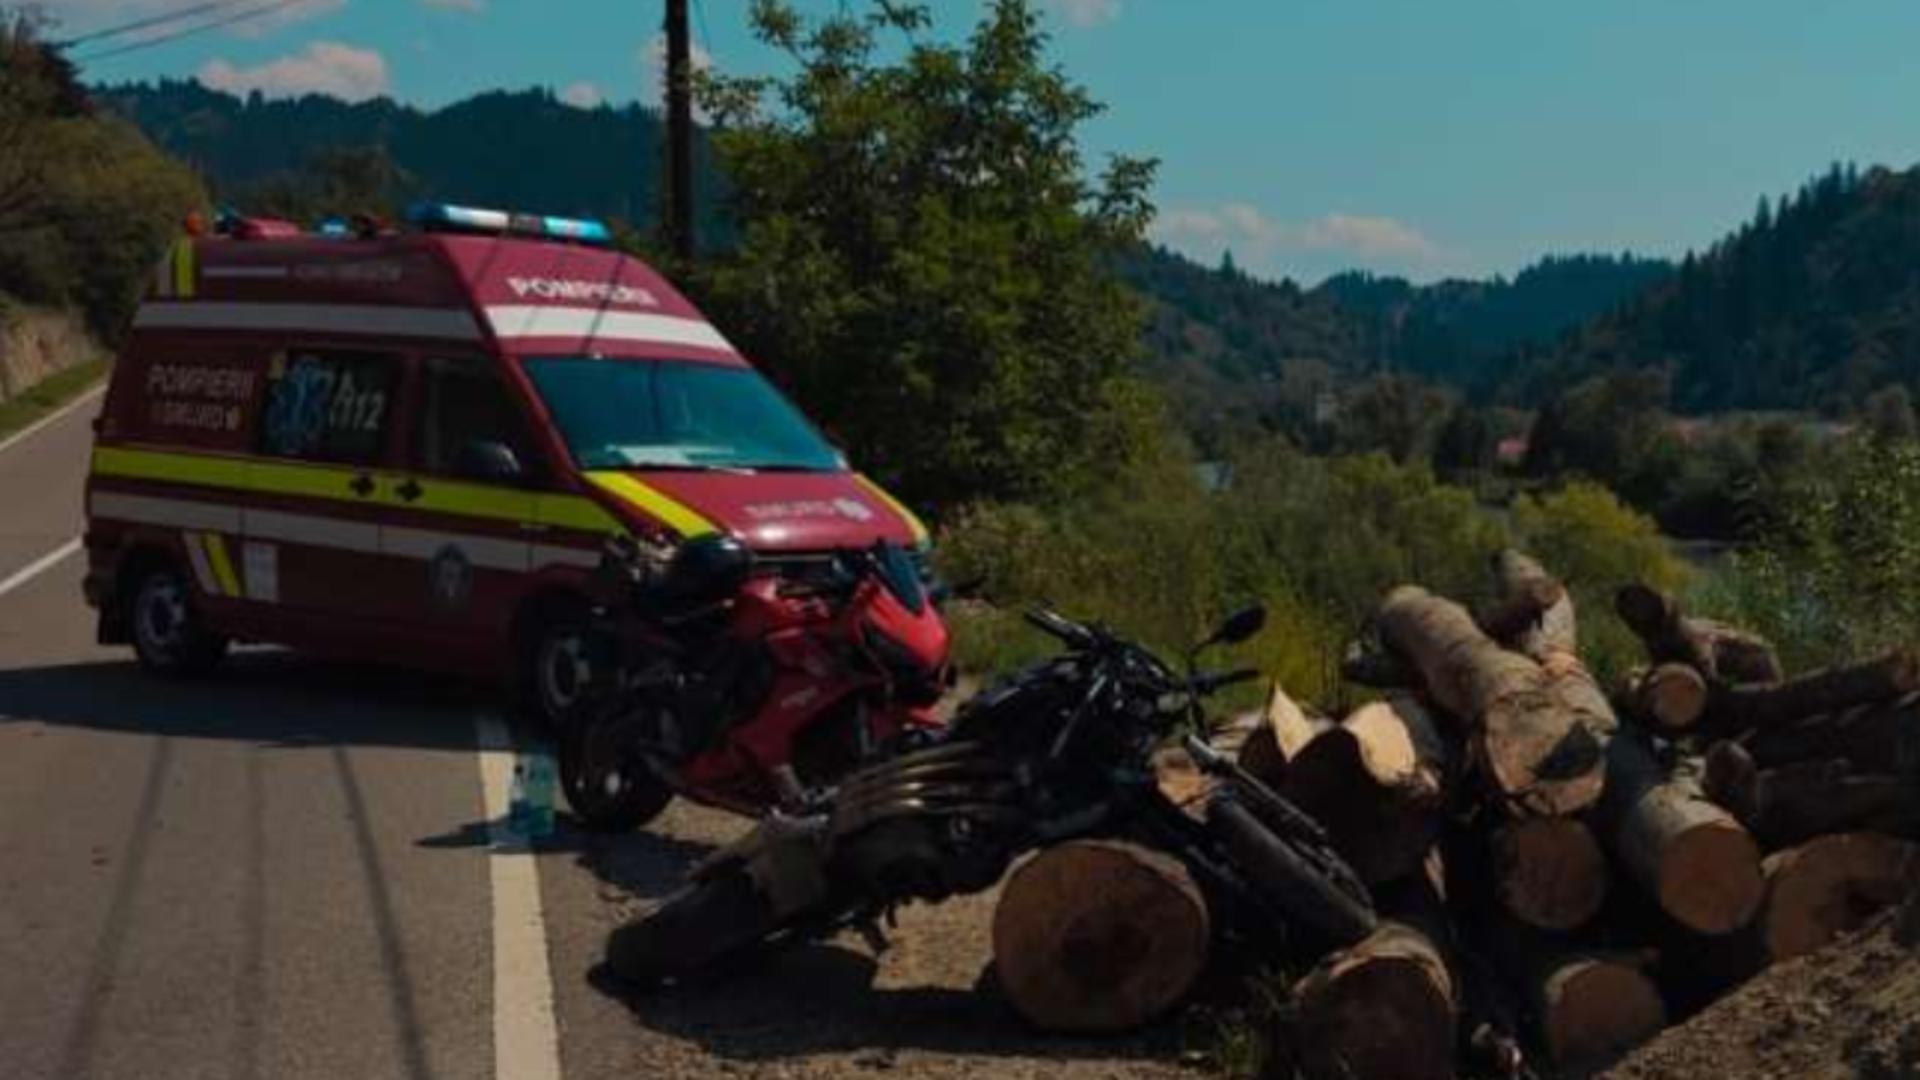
[(277, 18), (457, 5), (1271, 244), (653, 68), (1087, 12), (326, 67), (582, 95)]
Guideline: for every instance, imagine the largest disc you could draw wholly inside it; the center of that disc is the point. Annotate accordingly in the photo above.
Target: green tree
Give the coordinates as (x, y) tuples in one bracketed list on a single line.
[(920, 255)]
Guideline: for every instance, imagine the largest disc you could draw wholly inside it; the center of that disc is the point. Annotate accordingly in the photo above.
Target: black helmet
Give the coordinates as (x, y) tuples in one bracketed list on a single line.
[(706, 569)]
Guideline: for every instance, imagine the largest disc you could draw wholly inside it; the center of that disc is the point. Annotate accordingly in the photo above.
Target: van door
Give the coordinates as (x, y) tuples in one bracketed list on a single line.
[(463, 511), (313, 520)]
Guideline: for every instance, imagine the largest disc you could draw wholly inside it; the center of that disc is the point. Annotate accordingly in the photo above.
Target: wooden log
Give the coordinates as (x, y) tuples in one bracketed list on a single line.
[(1285, 731), (1548, 872), (1527, 603), (1718, 651), (1385, 1007), (1099, 935), (1539, 755), (1590, 1007), (1871, 738), (1786, 805), (1690, 854), (1377, 781), (1668, 698), (1885, 678), (1830, 886)]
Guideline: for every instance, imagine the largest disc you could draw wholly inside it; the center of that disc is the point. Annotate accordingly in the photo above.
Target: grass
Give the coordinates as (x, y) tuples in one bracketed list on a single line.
[(49, 394)]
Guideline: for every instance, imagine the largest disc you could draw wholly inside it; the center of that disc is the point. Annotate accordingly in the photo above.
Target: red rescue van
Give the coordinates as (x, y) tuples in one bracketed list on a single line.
[(413, 445)]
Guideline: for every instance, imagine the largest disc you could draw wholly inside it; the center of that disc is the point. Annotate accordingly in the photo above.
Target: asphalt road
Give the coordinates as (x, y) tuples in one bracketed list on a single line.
[(290, 870)]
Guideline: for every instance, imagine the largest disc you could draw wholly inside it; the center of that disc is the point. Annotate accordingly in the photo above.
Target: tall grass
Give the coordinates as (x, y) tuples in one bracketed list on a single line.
[(1316, 540)]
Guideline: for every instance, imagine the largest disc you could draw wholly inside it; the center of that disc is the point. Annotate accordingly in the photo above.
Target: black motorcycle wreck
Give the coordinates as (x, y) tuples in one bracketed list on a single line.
[(1060, 751)]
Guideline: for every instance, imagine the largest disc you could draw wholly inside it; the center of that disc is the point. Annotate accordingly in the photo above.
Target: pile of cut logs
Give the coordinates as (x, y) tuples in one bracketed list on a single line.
[(1560, 869)]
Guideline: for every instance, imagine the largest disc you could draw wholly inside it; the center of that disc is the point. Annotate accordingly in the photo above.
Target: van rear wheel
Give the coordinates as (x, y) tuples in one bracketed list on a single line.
[(170, 636)]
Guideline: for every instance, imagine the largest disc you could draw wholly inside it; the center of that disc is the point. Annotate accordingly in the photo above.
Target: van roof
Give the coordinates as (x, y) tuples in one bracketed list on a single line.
[(522, 296)]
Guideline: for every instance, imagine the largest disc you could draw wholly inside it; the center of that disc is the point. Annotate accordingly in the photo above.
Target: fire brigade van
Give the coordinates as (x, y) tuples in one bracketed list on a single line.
[(414, 445)]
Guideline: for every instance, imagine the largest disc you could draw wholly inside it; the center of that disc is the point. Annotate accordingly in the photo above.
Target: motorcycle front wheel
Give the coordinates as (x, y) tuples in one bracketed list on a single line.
[(694, 929), (609, 787)]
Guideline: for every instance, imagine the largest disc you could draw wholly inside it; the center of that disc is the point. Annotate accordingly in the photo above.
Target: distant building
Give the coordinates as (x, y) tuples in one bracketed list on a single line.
[(1511, 451)]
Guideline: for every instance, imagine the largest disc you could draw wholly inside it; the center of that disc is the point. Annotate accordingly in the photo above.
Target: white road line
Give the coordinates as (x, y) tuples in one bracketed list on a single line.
[(63, 410), (45, 562), (526, 1043)]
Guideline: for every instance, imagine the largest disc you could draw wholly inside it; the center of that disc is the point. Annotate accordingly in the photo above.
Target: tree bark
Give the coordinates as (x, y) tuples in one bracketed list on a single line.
[(1831, 886), (1786, 805), (1871, 738), (1690, 854), (1668, 698), (1539, 754), (1885, 678), (1099, 935), (1528, 603), (1718, 651)]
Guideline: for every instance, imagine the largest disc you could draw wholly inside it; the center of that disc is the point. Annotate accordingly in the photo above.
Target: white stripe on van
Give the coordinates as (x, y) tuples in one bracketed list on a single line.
[(173, 513), (344, 534), (493, 552), (373, 319), (530, 320), (339, 534)]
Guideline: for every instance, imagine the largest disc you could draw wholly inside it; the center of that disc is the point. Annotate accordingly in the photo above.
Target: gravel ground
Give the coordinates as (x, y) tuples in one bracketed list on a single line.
[(926, 1007)]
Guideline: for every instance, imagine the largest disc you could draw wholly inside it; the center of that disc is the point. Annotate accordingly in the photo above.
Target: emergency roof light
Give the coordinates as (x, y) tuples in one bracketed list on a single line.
[(446, 217)]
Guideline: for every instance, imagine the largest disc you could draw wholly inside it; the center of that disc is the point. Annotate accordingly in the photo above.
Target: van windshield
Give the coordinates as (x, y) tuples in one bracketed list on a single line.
[(671, 414)]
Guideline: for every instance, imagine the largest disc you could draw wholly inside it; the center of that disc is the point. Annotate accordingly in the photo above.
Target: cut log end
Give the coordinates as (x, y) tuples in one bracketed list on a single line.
[(1672, 696), (1595, 1009), (1709, 877), (1551, 872), (1097, 935), (1830, 887), (1383, 1008)]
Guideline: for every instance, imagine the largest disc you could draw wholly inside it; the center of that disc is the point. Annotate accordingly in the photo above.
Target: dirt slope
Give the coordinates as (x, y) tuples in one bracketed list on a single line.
[(1850, 1010)]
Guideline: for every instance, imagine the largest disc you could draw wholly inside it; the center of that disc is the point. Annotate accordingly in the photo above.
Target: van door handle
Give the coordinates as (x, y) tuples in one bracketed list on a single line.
[(361, 485), (409, 489)]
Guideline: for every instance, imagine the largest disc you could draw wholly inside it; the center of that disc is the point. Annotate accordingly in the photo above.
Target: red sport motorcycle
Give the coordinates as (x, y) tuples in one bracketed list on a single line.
[(748, 687)]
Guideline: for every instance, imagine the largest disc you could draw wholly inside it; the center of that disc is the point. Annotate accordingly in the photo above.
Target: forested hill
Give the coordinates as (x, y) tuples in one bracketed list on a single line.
[(524, 149), (1815, 303), (1225, 338), (1452, 330)]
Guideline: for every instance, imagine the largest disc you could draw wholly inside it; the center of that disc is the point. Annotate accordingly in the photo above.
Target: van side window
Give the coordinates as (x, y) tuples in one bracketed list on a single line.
[(464, 402), (328, 405)]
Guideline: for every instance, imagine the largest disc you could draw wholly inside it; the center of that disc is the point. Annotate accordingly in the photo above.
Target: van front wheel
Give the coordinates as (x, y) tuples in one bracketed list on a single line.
[(169, 634), (556, 671)]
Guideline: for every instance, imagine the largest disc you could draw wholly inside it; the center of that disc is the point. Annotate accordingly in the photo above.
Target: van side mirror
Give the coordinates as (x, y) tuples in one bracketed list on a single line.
[(489, 460)]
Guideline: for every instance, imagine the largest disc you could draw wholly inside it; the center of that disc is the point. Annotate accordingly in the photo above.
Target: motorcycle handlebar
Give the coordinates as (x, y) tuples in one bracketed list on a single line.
[(1059, 626), (1207, 684)]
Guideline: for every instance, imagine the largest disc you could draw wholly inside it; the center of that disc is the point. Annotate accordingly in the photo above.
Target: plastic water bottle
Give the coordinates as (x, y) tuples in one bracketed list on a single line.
[(541, 781), (518, 811)]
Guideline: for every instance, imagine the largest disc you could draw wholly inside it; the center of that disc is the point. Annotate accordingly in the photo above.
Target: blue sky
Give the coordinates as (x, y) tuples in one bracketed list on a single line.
[(1423, 137)]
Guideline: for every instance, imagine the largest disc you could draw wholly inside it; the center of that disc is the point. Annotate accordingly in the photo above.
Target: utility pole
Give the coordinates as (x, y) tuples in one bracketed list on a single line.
[(679, 132)]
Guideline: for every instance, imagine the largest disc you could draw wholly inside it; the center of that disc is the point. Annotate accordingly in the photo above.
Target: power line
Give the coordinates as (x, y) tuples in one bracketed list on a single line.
[(144, 23), (148, 43)]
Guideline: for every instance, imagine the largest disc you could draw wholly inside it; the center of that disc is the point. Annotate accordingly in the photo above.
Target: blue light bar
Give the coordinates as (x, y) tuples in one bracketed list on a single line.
[(450, 218)]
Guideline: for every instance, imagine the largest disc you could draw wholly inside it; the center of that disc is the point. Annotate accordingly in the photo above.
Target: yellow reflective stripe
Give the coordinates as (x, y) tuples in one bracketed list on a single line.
[(183, 276), (439, 496), (918, 527), (674, 515), (333, 482), (208, 469), (574, 512), (222, 566)]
